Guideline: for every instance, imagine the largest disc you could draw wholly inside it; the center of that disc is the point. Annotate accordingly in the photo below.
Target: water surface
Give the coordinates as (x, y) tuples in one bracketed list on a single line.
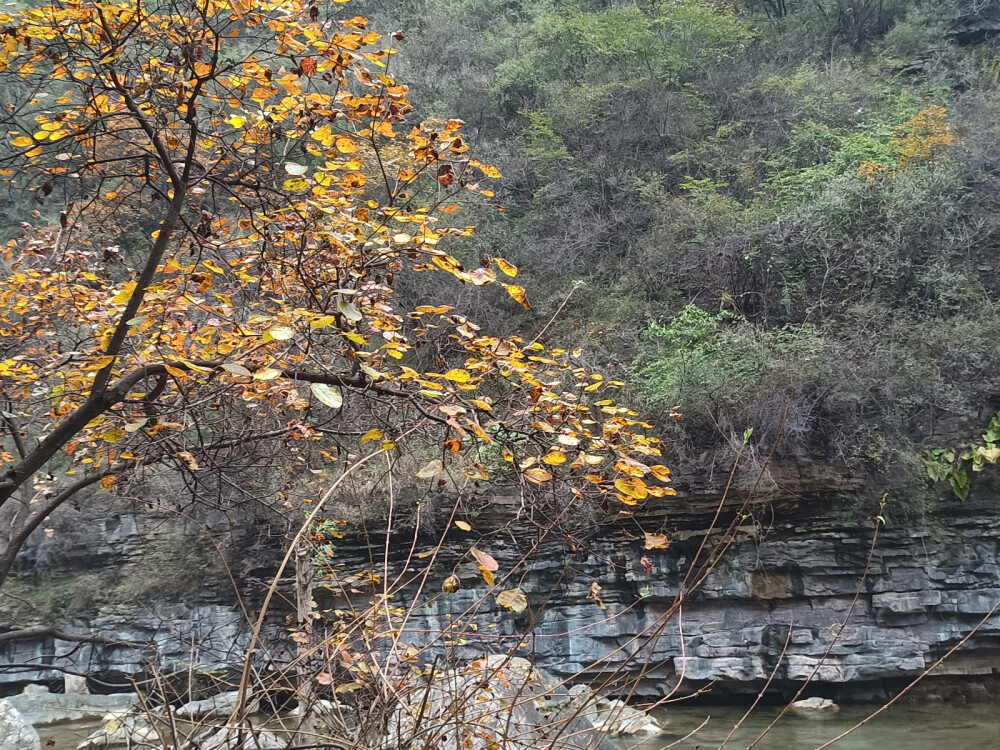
[(930, 727), (933, 727)]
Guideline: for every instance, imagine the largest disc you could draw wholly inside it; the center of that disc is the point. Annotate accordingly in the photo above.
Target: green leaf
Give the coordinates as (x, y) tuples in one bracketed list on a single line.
[(960, 483), (281, 333), (327, 394)]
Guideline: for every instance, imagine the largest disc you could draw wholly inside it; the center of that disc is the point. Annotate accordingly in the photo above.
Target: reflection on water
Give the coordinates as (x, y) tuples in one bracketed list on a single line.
[(937, 727)]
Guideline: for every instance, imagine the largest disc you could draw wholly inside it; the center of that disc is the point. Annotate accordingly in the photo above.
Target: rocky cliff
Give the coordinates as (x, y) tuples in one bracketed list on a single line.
[(773, 607)]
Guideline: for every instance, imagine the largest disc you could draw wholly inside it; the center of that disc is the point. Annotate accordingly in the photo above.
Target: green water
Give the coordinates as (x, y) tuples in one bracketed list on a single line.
[(932, 727), (936, 727)]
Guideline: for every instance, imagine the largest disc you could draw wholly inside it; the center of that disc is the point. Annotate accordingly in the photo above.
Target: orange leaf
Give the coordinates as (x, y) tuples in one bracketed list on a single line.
[(538, 476)]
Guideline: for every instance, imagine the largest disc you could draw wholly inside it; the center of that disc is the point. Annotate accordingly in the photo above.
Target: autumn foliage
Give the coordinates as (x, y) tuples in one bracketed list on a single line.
[(235, 189)]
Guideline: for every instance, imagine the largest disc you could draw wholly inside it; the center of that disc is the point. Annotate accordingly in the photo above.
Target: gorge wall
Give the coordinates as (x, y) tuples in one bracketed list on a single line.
[(773, 606)]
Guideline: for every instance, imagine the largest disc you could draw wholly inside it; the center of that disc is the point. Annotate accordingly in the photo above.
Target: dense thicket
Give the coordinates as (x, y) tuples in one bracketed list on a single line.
[(751, 203)]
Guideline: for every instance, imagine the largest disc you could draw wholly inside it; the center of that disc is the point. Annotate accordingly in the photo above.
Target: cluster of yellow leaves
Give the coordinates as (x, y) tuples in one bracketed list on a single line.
[(283, 302), (923, 140)]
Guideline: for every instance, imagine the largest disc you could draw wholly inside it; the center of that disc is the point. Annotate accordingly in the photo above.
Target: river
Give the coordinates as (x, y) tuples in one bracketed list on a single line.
[(931, 727)]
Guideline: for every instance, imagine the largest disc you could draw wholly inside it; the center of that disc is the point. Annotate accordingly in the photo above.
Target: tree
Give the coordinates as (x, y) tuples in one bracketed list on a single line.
[(237, 185)]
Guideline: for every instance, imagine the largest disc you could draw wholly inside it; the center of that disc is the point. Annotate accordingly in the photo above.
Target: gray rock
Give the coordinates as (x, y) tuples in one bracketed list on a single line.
[(41, 707), (616, 718), (814, 705), (15, 731), (201, 709)]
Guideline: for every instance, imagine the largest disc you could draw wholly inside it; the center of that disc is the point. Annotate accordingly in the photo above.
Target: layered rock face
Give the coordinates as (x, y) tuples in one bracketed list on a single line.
[(774, 607)]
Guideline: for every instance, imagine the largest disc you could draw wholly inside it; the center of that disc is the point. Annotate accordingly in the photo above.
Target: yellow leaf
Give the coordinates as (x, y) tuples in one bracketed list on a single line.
[(513, 599), (266, 373), (518, 293), (108, 483), (632, 487), (538, 476), (656, 541), (487, 576), (506, 266), (22, 142), (463, 526), (371, 436), (346, 145), (322, 322), (457, 376), (660, 472), (281, 333), (125, 294), (451, 584), (431, 470), (554, 458), (113, 435)]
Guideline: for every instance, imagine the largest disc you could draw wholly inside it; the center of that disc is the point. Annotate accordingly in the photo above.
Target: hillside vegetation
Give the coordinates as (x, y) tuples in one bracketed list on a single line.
[(743, 206)]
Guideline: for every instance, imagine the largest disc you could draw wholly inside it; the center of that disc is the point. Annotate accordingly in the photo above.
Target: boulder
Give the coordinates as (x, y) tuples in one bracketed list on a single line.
[(15, 731), (40, 707), (200, 709), (74, 683), (814, 705), (616, 718)]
